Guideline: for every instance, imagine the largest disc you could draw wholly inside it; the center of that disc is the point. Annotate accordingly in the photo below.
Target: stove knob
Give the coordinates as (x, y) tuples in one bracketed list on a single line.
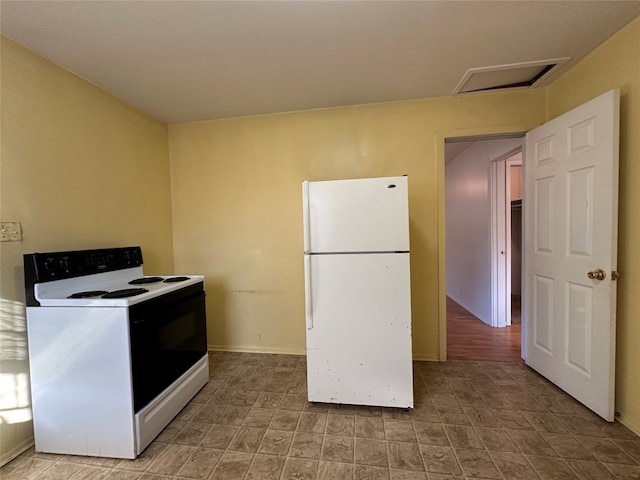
[(64, 264), (50, 266)]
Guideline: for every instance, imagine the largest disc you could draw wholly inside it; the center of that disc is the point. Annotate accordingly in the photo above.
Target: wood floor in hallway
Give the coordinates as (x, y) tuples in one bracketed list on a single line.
[(468, 338)]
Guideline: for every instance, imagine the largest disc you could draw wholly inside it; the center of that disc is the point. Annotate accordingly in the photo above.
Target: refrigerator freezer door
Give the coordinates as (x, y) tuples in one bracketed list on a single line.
[(359, 342), (362, 215)]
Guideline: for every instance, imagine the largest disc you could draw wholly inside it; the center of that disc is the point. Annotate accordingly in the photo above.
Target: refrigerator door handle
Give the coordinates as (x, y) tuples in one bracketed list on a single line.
[(308, 302), (306, 216)]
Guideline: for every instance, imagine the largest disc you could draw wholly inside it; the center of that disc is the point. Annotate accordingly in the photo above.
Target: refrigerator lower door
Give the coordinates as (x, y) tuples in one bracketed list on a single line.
[(359, 334)]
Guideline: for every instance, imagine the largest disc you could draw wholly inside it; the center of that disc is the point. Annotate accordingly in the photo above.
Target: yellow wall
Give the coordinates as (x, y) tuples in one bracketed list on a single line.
[(237, 202), (616, 64), (79, 169), (236, 194)]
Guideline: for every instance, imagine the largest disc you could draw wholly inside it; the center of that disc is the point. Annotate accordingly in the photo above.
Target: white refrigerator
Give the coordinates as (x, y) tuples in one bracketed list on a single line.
[(357, 292)]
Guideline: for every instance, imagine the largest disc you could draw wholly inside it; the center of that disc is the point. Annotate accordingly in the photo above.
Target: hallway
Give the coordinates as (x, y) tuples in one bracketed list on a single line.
[(468, 338)]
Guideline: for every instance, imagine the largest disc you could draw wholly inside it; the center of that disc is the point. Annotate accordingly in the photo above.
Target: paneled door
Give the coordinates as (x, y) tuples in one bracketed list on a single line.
[(570, 254)]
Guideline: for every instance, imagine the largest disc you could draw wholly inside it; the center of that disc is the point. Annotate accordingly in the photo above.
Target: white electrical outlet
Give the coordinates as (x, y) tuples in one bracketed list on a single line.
[(10, 232)]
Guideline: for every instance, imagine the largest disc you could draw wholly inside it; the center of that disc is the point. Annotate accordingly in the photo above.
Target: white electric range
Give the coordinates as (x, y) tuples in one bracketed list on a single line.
[(114, 355)]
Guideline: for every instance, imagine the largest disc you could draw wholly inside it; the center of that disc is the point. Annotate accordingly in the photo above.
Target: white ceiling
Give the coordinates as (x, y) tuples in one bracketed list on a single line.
[(183, 61)]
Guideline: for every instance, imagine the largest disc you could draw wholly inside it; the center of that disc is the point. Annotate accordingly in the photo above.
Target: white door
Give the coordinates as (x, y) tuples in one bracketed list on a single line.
[(359, 329), (360, 215), (571, 214)]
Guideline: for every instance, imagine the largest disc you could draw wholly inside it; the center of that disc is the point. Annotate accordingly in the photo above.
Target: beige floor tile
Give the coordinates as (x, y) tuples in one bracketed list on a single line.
[(232, 465), (405, 456), (471, 398), (425, 412), (630, 447), (624, 471), (265, 467), (259, 417), (276, 442), (477, 463), (312, 422), (200, 463), (338, 449), (512, 419), (58, 471), (192, 433), (452, 414), (219, 436), (299, 469), (171, 459), (334, 471), (341, 425), (481, 416), (268, 400), (514, 466), (89, 472), (150, 454), (285, 420), (431, 434), (399, 430), (531, 443), (369, 427), (462, 436), (496, 440), (368, 411), (292, 401), (587, 470), (551, 468), (471, 420), (439, 459), (567, 446), (371, 452), (306, 445), (208, 413), (605, 450), (245, 398), (545, 422), (233, 415), (407, 475), (247, 439), (113, 475), (366, 472)]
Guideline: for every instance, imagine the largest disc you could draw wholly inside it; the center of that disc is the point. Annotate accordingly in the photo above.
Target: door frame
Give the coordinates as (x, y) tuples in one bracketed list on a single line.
[(500, 196), (440, 137)]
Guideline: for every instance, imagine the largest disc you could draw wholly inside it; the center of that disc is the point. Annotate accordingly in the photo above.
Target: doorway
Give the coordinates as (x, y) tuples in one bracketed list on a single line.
[(480, 244)]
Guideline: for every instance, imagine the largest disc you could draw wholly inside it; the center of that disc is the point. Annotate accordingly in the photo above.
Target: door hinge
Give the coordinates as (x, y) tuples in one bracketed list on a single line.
[(615, 275)]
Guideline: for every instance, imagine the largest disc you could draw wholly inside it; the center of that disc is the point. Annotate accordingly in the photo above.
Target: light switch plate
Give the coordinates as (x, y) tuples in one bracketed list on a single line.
[(10, 232)]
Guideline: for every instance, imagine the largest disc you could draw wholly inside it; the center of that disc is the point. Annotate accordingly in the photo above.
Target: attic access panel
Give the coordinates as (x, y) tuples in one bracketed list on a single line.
[(503, 77)]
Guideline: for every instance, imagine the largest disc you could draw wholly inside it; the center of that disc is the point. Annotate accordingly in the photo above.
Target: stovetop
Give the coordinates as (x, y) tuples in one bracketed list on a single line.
[(121, 288)]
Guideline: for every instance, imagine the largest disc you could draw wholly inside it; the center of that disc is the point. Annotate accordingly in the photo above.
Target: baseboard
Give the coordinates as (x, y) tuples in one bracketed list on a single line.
[(279, 351), (425, 358), (631, 423), (16, 451), (290, 351)]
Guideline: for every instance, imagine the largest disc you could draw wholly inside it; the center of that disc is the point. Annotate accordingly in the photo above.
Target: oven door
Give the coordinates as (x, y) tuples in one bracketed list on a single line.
[(168, 336)]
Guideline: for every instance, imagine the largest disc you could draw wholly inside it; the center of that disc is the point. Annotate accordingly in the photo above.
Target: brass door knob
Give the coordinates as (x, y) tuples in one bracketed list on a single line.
[(598, 274)]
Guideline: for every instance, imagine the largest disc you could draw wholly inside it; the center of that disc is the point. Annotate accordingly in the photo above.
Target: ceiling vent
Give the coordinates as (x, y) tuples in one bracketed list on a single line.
[(504, 77)]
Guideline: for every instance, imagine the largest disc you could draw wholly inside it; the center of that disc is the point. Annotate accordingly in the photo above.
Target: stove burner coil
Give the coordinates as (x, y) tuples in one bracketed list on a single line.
[(127, 292), (175, 279), (89, 294), (143, 280)]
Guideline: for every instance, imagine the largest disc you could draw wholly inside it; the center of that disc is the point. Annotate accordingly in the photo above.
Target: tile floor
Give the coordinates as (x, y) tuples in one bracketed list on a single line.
[(471, 420)]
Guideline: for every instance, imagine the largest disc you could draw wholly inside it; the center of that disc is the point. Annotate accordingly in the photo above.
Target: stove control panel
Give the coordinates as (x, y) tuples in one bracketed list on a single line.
[(46, 267)]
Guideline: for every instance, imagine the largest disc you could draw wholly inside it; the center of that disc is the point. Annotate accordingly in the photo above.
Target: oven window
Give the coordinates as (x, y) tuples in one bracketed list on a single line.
[(178, 334), (166, 341)]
